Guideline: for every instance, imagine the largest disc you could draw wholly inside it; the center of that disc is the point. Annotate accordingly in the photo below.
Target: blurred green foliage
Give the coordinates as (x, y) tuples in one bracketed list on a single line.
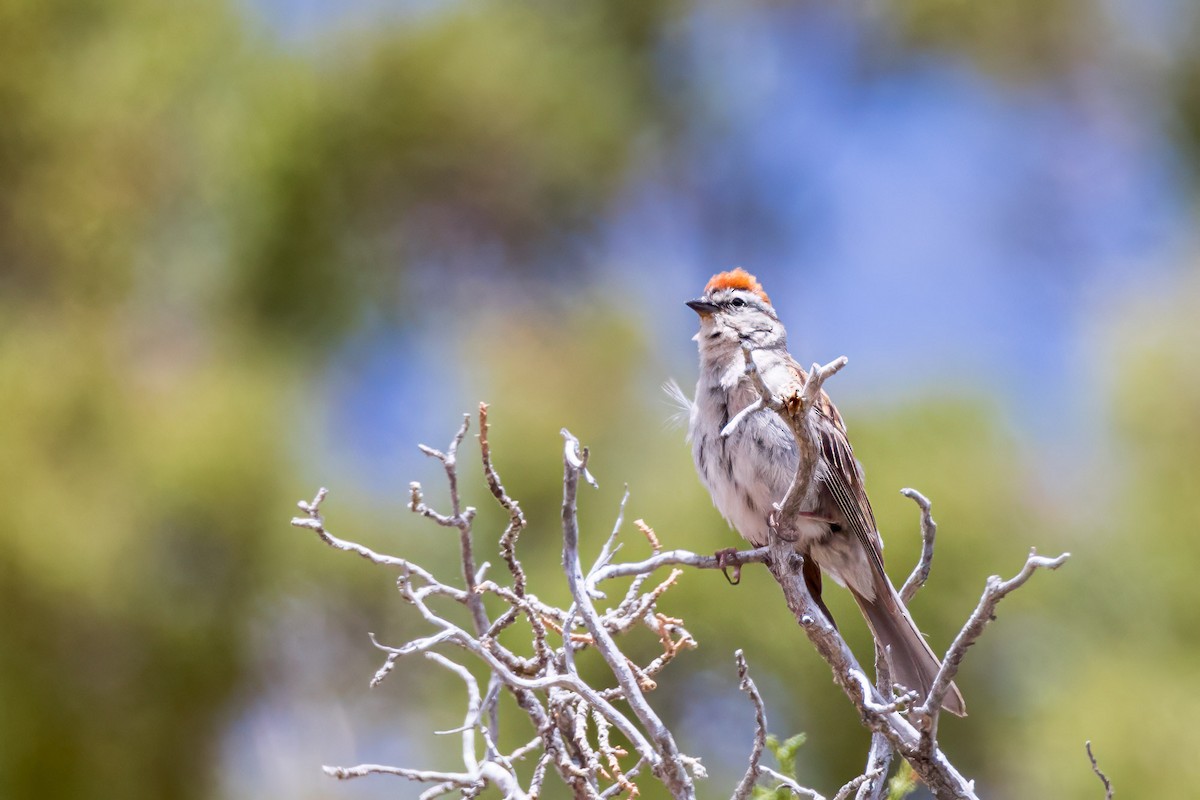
[(785, 756), (490, 125), (193, 216), (903, 783), (1020, 40), (185, 206)]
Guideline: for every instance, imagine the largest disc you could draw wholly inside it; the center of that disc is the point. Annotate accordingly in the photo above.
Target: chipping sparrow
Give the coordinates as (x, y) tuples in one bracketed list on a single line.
[(751, 470)]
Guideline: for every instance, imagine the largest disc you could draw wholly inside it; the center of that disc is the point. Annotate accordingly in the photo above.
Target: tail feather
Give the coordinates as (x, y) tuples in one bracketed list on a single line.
[(914, 664)]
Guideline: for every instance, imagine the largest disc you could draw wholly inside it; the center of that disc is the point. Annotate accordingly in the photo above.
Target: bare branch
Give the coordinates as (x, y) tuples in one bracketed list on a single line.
[(508, 542), (461, 519), (488, 772), (610, 547), (791, 785), (984, 613), (666, 760), (539, 775), (857, 783), (473, 706), (394, 653), (746, 684), (732, 425), (755, 770), (460, 637), (437, 791), (576, 457), (682, 558), (416, 504), (572, 719), (795, 409), (879, 757), (633, 591), (426, 776), (627, 785), (315, 522), (1108, 789), (516, 518), (920, 573), (880, 708), (932, 767)]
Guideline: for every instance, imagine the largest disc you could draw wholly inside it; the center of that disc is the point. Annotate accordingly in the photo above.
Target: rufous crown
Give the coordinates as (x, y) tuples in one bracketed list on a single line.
[(736, 278)]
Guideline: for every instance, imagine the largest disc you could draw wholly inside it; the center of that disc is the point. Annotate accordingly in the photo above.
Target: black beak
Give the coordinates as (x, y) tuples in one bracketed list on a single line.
[(702, 307)]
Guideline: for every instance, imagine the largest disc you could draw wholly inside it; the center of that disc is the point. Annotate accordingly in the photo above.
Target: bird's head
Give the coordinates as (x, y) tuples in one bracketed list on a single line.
[(735, 309)]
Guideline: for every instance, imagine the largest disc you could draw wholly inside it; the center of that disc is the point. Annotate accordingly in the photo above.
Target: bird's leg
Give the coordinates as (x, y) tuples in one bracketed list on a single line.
[(728, 558)]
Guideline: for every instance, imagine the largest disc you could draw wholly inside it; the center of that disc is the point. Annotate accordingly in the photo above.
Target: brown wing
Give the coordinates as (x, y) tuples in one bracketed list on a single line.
[(845, 479)]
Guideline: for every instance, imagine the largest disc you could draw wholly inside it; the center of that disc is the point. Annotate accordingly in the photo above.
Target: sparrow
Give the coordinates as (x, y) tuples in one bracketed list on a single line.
[(749, 472)]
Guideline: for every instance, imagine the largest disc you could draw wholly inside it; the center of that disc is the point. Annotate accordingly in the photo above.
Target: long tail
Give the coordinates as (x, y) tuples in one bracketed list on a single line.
[(914, 664)]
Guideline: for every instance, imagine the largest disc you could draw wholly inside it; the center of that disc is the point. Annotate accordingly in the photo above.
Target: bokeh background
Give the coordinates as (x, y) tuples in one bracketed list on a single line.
[(247, 249)]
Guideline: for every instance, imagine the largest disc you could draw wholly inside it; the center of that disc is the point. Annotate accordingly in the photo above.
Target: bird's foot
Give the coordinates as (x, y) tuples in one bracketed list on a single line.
[(728, 558)]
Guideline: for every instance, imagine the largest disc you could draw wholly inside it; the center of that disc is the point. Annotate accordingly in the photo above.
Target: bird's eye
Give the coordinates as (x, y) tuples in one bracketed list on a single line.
[(737, 302)]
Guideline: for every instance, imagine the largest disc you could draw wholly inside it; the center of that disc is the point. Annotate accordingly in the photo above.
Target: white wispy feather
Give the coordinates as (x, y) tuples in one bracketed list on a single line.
[(680, 402)]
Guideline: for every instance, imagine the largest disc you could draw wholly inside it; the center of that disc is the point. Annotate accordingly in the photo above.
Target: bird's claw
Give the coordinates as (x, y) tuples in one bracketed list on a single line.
[(725, 560)]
